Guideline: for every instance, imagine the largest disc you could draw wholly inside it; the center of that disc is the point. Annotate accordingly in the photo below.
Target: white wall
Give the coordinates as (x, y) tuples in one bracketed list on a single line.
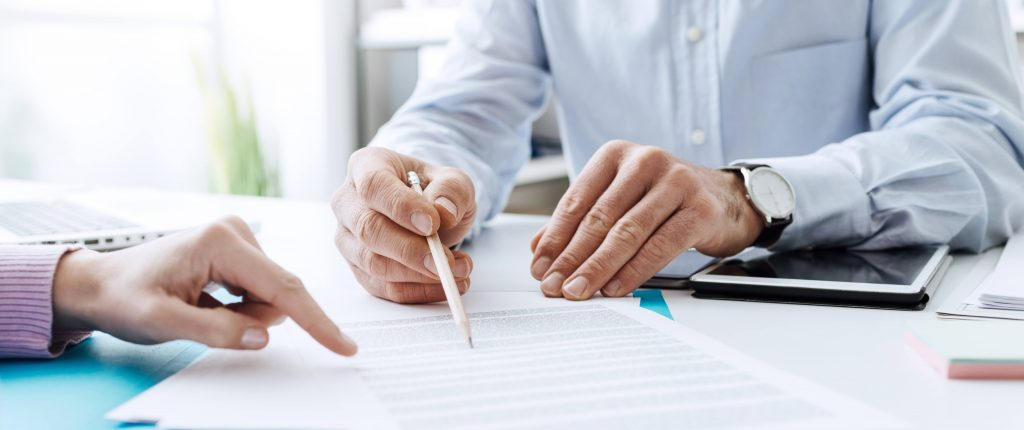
[(298, 58), (105, 92), (100, 91)]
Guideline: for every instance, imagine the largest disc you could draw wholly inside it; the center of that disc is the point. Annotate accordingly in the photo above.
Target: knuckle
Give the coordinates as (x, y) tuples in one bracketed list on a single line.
[(615, 147), (235, 222), (545, 248), (395, 293), (573, 206), (597, 266), (290, 285), (411, 252), (374, 264), (629, 230), (215, 233), (462, 177), (339, 240), (629, 276), (359, 156), (461, 184), (567, 262), (661, 246), (340, 194), (648, 152), (599, 217), (369, 226), (681, 177), (373, 183)]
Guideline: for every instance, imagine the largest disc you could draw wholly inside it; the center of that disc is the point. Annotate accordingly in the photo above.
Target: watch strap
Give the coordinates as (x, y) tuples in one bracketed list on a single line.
[(772, 231)]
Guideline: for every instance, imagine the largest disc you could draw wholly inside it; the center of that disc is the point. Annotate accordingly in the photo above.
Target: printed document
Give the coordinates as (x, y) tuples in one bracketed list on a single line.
[(1000, 295), (537, 363)]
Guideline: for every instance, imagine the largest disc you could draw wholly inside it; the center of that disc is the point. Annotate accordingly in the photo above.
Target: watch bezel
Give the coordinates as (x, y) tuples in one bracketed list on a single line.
[(748, 182)]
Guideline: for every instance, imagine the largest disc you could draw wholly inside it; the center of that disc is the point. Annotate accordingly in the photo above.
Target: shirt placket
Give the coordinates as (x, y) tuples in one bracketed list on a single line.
[(698, 137)]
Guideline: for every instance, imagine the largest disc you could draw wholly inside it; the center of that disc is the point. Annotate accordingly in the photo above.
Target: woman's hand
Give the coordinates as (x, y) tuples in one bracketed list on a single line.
[(153, 293)]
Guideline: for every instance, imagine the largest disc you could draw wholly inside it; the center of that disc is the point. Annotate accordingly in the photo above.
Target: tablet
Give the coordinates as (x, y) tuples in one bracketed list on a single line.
[(677, 273), (897, 277)]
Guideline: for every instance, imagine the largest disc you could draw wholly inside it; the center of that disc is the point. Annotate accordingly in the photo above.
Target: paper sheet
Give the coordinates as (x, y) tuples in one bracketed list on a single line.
[(537, 363), (1000, 294)]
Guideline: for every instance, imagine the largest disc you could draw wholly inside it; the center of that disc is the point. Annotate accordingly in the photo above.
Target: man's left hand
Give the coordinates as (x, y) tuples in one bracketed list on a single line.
[(631, 211)]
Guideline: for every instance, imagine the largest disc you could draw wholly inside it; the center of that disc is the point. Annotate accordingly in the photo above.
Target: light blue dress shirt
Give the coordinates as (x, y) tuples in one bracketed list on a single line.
[(898, 122)]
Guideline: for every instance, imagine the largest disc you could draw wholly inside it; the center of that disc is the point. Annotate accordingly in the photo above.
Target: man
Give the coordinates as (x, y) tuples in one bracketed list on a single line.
[(863, 123)]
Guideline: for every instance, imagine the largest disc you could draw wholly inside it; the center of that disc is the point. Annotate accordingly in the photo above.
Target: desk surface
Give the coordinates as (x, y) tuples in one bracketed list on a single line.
[(857, 352)]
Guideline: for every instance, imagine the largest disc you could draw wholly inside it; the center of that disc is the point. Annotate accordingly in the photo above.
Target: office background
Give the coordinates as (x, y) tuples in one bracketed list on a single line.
[(260, 97)]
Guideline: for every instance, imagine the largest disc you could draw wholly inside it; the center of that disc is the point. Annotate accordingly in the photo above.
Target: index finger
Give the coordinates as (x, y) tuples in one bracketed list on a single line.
[(379, 180), (243, 266), (574, 205)]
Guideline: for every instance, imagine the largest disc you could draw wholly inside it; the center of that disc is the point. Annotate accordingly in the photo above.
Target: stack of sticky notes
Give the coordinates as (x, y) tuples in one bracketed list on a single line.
[(970, 349)]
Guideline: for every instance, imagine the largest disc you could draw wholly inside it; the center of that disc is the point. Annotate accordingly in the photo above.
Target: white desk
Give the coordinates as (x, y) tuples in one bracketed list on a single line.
[(857, 352)]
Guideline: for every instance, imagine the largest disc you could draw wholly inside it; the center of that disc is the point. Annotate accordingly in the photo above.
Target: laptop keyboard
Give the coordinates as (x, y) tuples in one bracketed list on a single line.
[(57, 217)]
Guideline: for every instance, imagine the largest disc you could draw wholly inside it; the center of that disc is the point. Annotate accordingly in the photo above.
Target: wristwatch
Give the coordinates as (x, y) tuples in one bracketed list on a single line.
[(771, 195)]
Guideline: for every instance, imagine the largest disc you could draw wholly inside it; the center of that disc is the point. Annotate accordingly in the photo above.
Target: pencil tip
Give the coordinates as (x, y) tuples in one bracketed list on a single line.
[(470, 340)]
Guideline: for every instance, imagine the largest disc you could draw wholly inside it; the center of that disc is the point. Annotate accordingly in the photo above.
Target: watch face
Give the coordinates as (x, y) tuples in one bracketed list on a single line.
[(772, 193)]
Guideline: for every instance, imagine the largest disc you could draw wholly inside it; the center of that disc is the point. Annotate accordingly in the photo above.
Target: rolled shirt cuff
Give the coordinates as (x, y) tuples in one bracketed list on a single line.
[(832, 207), (26, 301)]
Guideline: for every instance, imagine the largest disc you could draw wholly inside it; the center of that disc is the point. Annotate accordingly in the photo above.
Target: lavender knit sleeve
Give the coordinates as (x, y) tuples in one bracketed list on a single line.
[(26, 306)]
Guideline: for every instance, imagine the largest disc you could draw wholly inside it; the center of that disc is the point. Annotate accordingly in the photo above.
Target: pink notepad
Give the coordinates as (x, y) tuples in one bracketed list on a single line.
[(970, 349)]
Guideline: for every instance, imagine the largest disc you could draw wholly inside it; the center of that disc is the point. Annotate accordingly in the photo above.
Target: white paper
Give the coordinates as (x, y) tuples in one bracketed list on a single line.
[(537, 363), (1004, 287), (1001, 294)]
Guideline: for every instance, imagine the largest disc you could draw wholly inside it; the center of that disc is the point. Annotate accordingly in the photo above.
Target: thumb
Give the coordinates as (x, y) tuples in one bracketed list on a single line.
[(452, 193), (215, 327)]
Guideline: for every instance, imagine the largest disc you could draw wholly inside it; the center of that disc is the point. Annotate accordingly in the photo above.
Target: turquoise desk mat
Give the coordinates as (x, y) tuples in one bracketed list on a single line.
[(76, 390)]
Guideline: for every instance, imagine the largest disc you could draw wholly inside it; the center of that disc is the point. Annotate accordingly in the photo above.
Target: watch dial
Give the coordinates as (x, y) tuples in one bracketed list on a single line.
[(772, 193)]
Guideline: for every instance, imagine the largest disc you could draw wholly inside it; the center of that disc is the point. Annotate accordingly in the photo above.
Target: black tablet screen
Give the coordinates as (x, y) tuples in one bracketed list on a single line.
[(896, 266)]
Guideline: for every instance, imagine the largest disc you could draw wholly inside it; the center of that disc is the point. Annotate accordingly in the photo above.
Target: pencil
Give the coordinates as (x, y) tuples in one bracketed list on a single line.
[(444, 271)]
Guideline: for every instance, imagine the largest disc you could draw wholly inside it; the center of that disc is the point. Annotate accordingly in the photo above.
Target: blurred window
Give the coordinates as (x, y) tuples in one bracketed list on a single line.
[(105, 91)]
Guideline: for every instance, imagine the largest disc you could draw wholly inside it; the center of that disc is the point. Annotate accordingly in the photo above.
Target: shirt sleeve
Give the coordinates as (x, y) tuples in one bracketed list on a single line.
[(26, 304), (476, 114), (943, 160)]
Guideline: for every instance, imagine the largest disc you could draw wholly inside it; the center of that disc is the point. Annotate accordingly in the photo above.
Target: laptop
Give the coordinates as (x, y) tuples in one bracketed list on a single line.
[(66, 222), (103, 221)]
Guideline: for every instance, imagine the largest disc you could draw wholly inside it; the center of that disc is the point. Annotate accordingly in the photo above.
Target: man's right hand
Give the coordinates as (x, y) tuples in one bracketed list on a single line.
[(382, 223)]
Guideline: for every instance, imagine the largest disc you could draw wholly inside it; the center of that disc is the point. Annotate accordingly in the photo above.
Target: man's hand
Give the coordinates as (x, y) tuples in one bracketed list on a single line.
[(632, 210), (382, 223), (153, 293)]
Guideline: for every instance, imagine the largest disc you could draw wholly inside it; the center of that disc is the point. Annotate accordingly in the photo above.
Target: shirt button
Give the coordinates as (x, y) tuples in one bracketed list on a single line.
[(693, 34), (698, 137)]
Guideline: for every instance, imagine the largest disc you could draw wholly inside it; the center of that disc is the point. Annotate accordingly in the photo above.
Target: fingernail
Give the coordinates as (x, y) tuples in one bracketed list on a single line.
[(552, 285), (575, 288), (422, 222), (613, 288), (347, 339), (461, 268), (540, 267), (428, 261), (448, 205), (254, 338), (351, 344)]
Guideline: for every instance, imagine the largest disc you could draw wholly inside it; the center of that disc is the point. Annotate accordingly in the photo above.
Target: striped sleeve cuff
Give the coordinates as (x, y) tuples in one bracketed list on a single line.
[(26, 305)]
